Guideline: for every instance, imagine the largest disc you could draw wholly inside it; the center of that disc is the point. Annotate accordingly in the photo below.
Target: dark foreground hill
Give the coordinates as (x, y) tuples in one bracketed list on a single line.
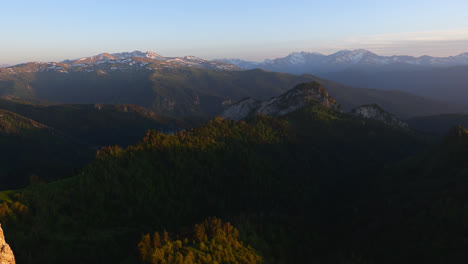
[(98, 125), (299, 188), (55, 141), (425, 203), (30, 149)]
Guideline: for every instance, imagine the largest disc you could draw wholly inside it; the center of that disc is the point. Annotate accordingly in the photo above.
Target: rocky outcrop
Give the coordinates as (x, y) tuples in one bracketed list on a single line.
[(292, 100), (241, 109), (375, 112), (6, 254)]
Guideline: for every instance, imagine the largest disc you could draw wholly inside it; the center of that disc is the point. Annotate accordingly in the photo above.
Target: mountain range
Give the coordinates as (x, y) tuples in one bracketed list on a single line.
[(440, 78), (119, 61), (183, 86), (315, 63)]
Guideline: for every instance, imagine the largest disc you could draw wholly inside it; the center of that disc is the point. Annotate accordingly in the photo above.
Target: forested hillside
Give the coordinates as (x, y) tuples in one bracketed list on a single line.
[(289, 185), (53, 142)]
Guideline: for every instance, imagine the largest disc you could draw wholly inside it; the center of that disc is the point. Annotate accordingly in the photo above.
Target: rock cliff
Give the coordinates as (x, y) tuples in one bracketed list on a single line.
[(6, 254), (294, 99)]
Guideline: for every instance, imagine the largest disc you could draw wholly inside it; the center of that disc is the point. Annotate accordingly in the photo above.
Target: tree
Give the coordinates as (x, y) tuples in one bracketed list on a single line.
[(210, 242)]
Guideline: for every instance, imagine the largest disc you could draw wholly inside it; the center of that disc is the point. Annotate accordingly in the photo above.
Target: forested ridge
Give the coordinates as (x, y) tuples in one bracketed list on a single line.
[(307, 187)]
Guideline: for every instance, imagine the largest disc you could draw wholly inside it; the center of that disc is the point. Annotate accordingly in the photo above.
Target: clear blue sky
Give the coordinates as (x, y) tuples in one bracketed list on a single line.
[(45, 30)]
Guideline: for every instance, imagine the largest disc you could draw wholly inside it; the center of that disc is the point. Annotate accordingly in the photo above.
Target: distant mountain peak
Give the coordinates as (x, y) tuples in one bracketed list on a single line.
[(297, 58), (152, 55), (138, 54), (352, 56)]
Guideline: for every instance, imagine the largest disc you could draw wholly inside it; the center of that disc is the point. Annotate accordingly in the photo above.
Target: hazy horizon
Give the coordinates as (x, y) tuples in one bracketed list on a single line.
[(57, 30), (238, 57)]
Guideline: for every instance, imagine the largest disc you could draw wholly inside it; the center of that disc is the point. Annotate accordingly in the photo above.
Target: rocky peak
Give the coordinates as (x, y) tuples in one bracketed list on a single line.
[(292, 100), (375, 112), (6, 254), (152, 55)]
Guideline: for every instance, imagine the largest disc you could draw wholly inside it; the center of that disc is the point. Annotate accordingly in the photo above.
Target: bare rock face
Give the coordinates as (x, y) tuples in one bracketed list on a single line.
[(375, 112), (241, 109), (292, 100), (6, 254)]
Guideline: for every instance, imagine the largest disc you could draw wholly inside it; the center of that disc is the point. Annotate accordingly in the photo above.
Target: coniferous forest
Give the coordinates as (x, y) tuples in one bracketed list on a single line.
[(313, 186)]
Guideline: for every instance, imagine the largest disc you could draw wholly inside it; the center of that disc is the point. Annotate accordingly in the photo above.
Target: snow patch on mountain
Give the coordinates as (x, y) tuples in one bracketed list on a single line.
[(125, 61), (297, 58)]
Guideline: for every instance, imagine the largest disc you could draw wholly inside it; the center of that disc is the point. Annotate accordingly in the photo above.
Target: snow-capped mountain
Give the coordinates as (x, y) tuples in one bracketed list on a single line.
[(306, 62), (4, 65), (138, 58), (125, 61)]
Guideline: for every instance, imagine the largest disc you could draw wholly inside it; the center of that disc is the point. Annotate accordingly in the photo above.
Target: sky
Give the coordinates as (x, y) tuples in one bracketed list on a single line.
[(55, 30)]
